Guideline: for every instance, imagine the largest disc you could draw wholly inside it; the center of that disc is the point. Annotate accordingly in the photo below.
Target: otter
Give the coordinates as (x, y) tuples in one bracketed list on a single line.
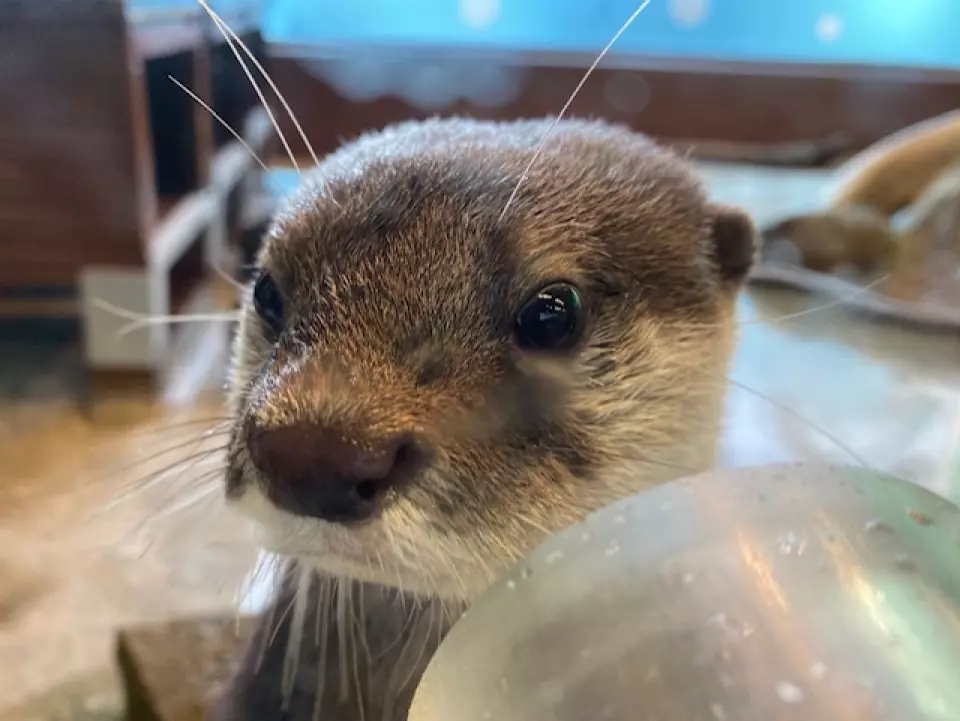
[(438, 366), (892, 173), (856, 237), (892, 205)]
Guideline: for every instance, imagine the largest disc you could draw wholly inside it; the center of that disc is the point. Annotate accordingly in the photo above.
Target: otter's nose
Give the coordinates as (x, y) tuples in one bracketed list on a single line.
[(312, 471)]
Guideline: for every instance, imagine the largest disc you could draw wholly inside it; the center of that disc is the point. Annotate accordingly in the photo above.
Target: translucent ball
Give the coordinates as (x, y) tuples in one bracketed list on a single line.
[(782, 593)]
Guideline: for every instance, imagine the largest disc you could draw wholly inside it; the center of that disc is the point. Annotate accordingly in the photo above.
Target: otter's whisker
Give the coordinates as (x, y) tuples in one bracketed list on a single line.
[(343, 631), (397, 683), (566, 105), (663, 464), (155, 482), (291, 659), (142, 320), (455, 574), (324, 613), (200, 457), (226, 32), (358, 634), (204, 478), (149, 481), (172, 505), (176, 319), (436, 622), (266, 76), (199, 101), (643, 459), (526, 521), (830, 304), (233, 282), (141, 485), (786, 409), (391, 540), (269, 633), (221, 422), (190, 442), (281, 619), (192, 499), (265, 570), (836, 302), (491, 546), (207, 492), (134, 438), (407, 621)]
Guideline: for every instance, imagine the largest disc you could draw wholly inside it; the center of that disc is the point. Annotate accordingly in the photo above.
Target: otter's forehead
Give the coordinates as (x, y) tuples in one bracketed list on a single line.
[(413, 219), (406, 246)]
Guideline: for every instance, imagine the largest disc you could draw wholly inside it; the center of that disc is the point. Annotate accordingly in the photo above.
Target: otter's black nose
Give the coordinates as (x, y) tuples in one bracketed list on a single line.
[(311, 471)]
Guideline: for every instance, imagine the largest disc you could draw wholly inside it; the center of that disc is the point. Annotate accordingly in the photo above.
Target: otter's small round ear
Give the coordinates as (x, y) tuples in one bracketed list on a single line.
[(735, 241)]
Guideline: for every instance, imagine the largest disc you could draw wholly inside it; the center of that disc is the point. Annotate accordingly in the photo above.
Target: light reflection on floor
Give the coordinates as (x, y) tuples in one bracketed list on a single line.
[(889, 395)]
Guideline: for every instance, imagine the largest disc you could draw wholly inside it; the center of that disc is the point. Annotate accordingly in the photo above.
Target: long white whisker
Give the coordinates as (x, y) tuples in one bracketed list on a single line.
[(324, 613), (266, 76), (154, 479), (225, 31), (282, 619), (343, 598), (566, 106), (830, 304), (196, 98), (236, 284), (268, 633), (208, 491), (141, 320), (174, 319), (776, 404), (358, 636), (291, 659)]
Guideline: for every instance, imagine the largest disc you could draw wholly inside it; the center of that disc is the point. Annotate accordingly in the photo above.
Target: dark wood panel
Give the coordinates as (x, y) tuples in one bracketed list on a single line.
[(672, 99), (60, 243), (68, 143), (43, 271), (92, 131)]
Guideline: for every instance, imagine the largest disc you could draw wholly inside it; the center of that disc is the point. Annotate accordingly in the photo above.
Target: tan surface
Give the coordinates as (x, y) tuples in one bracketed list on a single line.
[(69, 577), (175, 671)]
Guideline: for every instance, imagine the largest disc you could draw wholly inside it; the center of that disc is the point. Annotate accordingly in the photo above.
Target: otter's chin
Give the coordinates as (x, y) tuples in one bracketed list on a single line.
[(365, 553)]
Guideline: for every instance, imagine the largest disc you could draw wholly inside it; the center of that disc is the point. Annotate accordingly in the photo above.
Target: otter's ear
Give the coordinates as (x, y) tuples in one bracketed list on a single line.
[(735, 241)]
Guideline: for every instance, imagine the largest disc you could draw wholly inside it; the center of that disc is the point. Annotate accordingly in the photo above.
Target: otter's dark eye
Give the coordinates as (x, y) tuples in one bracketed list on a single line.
[(268, 302), (551, 320)]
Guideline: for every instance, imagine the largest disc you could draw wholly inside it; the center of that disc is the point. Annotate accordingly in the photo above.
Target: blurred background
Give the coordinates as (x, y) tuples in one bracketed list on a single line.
[(122, 200)]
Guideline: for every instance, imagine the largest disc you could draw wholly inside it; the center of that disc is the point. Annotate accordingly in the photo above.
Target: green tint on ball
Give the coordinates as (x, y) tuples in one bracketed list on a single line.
[(786, 593)]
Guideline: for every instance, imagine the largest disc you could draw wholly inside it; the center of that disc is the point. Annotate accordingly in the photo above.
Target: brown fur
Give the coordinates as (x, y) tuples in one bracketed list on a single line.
[(935, 216), (402, 280), (894, 204), (854, 236), (892, 173)]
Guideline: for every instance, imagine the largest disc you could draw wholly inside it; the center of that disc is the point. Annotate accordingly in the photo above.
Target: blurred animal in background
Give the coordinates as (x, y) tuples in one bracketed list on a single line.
[(892, 220)]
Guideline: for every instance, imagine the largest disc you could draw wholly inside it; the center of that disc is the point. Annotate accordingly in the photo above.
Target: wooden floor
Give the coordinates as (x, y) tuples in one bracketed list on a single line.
[(109, 515), (73, 568)]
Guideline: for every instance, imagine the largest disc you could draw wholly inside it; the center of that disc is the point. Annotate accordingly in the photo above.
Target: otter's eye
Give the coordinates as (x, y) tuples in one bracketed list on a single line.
[(268, 302), (551, 320)]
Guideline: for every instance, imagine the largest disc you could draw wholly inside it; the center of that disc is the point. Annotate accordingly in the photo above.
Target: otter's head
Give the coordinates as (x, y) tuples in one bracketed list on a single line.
[(426, 386)]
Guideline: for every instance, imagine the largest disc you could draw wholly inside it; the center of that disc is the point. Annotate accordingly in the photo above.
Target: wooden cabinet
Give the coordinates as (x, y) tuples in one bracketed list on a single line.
[(114, 183)]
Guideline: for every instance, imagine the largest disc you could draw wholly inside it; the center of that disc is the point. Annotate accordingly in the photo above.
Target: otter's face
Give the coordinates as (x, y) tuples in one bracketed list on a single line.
[(424, 389)]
